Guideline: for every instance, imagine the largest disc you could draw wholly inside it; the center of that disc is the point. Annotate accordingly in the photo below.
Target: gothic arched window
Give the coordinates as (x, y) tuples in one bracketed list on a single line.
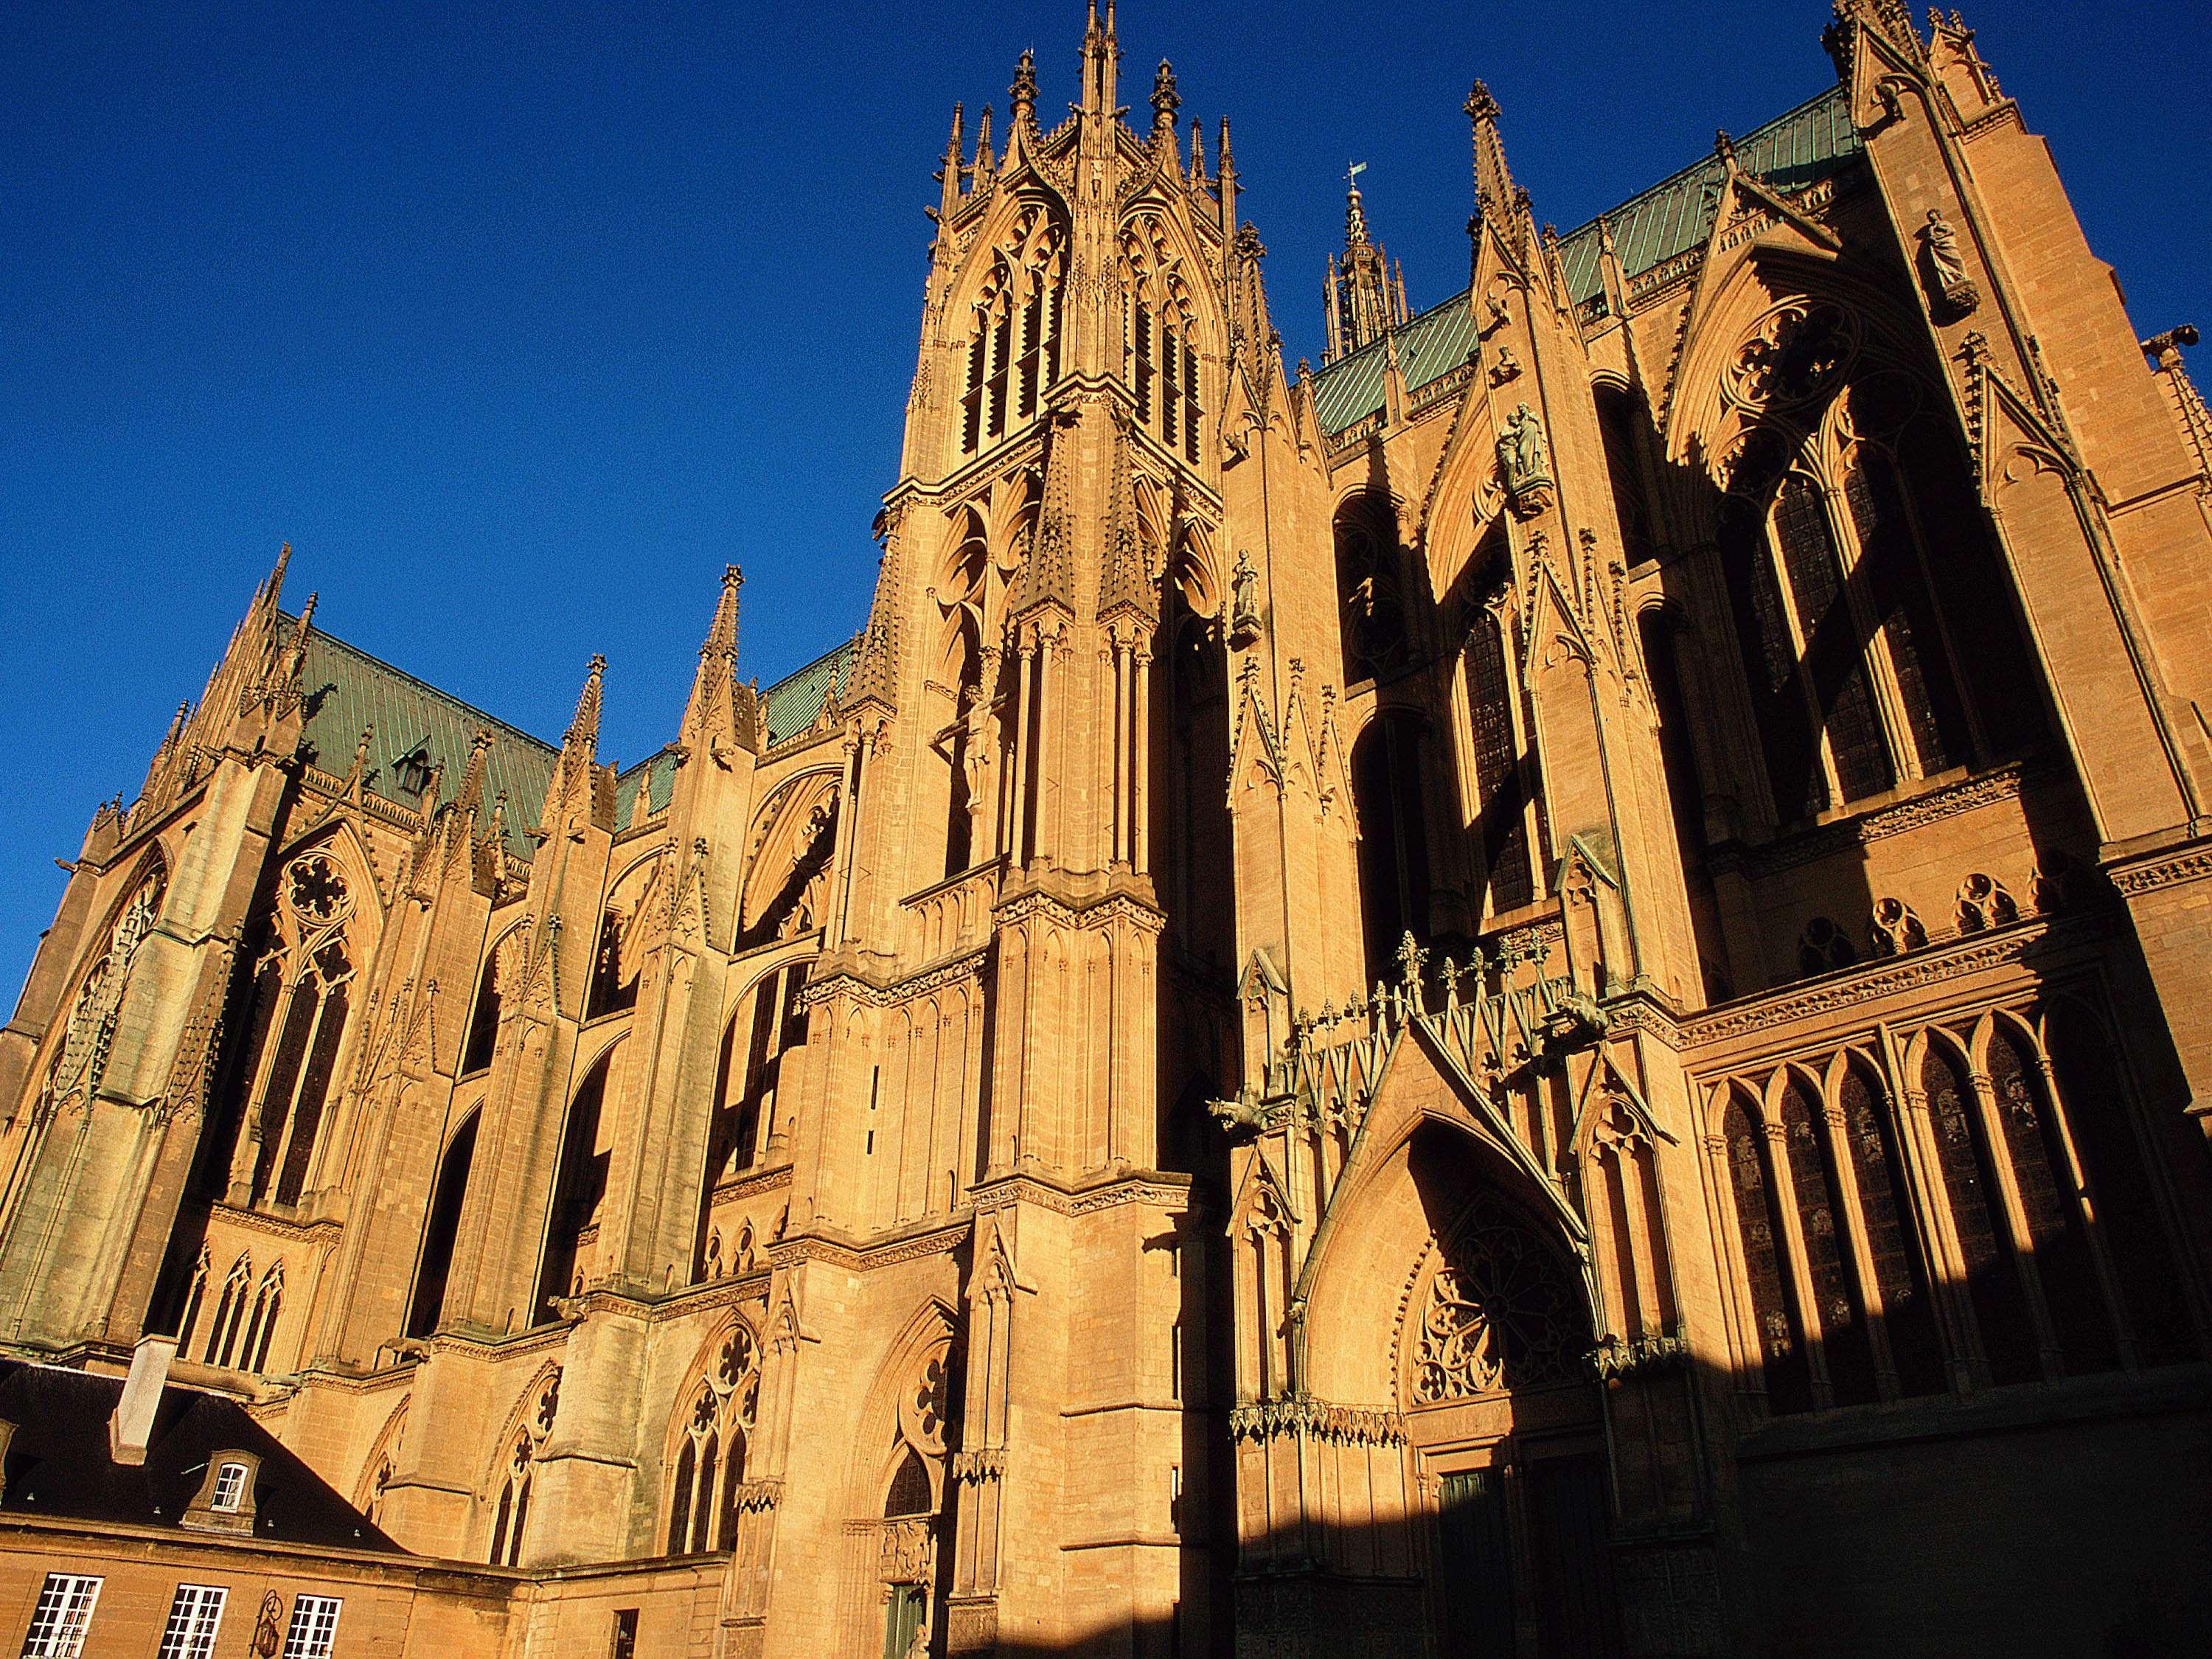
[(441, 1229), (1776, 1327), (1854, 675), (1390, 807), (710, 1461), (1895, 1244), (222, 1347), (578, 1187), (1160, 354), (300, 996), (1823, 1227), (1370, 573), (2085, 1074), (1966, 1163), (261, 1326), (1013, 342)]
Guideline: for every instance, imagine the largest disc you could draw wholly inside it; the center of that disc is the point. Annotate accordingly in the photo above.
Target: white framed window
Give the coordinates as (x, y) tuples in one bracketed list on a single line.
[(314, 1627), (194, 1618), (64, 1614), (229, 1488)]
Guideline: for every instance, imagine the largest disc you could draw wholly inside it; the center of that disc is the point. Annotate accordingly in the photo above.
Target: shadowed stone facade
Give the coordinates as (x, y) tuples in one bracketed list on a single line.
[(1544, 991)]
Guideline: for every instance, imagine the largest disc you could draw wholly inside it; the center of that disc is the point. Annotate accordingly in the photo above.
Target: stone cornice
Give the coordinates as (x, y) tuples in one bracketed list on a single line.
[(1153, 1187), (1930, 807), (1958, 959), (2175, 867)]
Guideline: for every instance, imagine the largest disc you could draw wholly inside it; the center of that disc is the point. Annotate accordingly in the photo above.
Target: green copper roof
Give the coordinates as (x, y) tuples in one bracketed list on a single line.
[(794, 700), (1432, 344), (1673, 217), (348, 690), (1802, 148)]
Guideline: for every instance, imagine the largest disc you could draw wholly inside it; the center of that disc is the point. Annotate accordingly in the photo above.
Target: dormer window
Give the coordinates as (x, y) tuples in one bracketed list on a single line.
[(224, 1501), (229, 1488), (411, 771)]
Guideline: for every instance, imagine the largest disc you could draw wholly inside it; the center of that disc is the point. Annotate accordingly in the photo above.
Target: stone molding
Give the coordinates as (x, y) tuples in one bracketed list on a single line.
[(1308, 1418), (2172, 869)]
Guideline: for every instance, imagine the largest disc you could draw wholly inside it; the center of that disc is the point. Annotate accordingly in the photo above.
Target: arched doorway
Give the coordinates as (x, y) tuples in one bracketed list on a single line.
[(1504, 1418)]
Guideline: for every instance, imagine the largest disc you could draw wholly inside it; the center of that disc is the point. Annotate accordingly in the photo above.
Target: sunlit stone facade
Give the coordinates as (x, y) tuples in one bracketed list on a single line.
[(1544, 991)]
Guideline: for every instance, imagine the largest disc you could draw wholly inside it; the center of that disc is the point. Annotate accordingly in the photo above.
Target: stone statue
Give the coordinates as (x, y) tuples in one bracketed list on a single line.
[(1521, 452), (1947, 264), (1943, 249), (1244, 600)]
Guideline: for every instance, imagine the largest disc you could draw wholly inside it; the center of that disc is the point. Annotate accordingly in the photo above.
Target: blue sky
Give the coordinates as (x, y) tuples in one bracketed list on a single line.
[(519, 321)]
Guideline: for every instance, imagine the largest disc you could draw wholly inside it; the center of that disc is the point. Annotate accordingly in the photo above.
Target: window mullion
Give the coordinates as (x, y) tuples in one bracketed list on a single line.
[(1872, 639), (1793, 622)]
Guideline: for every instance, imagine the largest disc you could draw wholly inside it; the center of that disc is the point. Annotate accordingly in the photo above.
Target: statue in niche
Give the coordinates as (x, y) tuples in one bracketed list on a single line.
[(1522, 463), (1945, 264), (1245, 602)]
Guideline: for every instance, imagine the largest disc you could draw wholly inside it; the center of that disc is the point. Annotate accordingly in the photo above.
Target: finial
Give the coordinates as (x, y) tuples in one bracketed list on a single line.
[(275, 581), (584, 730), (1355, 217), (1227, 161), (721, 639), (1480, 106), (1023, 95), (1198, 149), (956, 145), (983, 160), (1725, 147), (1165, 101), (307, 618)]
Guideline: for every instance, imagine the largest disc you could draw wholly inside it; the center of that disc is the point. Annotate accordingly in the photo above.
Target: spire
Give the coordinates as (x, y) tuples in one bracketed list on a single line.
[(1166, 102), (1364, 303), (470, 797), (1101, 55), (1355, 214), (583, 732), (1497, 199), (711, 712), (874, 677), (986, 166), (948, 175), (1197, 151)]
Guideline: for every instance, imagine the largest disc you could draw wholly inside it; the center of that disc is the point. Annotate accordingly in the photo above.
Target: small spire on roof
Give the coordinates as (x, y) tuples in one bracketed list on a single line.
[(584, 730), (1165, 99)]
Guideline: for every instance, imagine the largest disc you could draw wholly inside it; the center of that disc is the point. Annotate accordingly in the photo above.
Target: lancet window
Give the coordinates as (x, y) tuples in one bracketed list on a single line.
[(1013, 339), (1844, 1249), (221, 1347), (301, 992), (442, 1229), (711, 1436), (579, 1185), (517, 1470), (1159, 349), (1855, 675), (1390, 806)]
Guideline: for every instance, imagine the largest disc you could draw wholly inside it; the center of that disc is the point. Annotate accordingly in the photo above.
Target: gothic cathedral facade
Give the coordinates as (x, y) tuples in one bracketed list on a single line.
[(1542, 991)]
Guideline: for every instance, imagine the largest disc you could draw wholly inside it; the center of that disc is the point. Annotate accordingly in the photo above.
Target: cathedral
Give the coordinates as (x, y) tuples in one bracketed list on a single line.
[(1543, 990)]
